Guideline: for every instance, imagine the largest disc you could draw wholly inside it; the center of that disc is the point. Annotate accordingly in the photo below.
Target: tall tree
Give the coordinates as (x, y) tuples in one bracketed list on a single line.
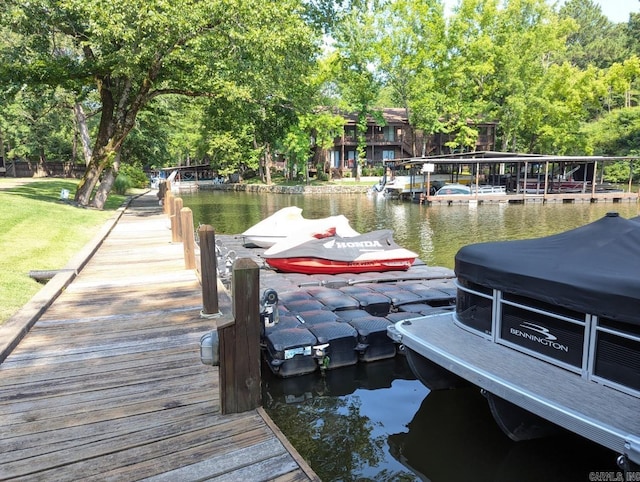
[(597, 41), (529, 37), (471, 67), (39, 124), (315, 130), (616, 134), (633, 33), (412, 54), (354, 64), (133, 51)]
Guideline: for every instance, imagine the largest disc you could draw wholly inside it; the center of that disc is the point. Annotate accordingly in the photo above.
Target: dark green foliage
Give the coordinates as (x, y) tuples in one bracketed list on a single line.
[(133, 176), (597, 41)]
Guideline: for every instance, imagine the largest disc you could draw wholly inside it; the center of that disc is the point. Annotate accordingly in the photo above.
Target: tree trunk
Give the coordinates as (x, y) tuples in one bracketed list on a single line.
[(108, 178), (105, 148), (267, 165), (42, 162), (85, 139), (88, 183), (2, 151), (100, 198)]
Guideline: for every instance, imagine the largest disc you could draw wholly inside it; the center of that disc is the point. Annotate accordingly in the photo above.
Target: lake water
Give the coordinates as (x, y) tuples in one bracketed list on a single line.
[(376, 421)]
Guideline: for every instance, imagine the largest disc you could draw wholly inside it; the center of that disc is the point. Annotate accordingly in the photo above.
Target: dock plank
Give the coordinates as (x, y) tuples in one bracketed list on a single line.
[(108, 383), (77, 462), (170, 456), (56, 435), (12, 376)]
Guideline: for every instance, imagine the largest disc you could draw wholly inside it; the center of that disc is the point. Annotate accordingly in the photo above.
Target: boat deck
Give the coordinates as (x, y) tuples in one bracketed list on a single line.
[(108, 383), (599, 413)]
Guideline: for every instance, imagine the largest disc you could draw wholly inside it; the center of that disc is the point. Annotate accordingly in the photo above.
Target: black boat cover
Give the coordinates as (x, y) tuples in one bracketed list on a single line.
[(591, 269)]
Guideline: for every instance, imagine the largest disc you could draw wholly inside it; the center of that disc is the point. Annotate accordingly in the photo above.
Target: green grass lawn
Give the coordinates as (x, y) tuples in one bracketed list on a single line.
[(38, 231)]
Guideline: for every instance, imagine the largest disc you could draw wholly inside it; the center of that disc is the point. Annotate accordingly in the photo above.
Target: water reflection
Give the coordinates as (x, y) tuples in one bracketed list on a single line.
[(341, 422), (452, 437), (375, 421), (434, 232)]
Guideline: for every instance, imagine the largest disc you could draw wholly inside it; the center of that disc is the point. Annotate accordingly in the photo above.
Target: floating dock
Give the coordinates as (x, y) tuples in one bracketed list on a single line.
[(323, 322)]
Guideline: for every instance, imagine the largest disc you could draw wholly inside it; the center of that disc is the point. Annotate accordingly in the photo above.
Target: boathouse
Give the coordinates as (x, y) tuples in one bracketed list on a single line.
[(518, 177)]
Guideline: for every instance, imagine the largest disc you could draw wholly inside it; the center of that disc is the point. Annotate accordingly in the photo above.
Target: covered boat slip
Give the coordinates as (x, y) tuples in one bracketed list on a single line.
[(604, 415), (525, 177)]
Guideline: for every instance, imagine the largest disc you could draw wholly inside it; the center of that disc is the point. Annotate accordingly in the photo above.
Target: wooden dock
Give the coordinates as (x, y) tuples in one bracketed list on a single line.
[(108, 383), (526, 198)]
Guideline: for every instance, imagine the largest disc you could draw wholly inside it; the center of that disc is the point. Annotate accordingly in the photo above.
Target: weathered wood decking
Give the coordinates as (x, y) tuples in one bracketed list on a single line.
[(108, 383)]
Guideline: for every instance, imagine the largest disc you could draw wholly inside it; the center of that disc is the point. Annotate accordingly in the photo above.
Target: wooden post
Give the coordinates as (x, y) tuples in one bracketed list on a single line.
[(162, 191), (240, 382), (168, 199), (175, 220), (170, 206), (188, 241), (208, 269), (546, 180)]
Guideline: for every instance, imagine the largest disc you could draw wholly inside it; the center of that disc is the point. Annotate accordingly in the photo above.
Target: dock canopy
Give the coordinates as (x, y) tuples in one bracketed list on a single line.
[(591, 269)]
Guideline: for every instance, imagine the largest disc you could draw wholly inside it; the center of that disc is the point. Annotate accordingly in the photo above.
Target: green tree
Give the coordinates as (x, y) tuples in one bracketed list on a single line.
[(354, 68), (565, 99), (597, 41), (38, 125), (633, 33), (529, 37), (623, 80), (412, 54), (616, 133), (471, 69), (313, 131), (149, 142), (132, 51)]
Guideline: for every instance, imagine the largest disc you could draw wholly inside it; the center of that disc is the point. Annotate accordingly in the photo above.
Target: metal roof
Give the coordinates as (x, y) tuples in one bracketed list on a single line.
[(487, 157)]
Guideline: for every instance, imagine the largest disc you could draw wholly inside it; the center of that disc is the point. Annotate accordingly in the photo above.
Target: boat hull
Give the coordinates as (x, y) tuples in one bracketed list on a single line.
[(519, 424), (327, 266), (432, 375), (369, 252), (592, 410)]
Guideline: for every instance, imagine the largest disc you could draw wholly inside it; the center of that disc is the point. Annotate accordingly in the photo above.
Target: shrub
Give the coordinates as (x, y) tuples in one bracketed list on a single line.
[(122, 184), (135, 175), (371, 171)]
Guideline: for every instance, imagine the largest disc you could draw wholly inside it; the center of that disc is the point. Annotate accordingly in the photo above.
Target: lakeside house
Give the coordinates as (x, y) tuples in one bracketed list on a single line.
[(392, 137)]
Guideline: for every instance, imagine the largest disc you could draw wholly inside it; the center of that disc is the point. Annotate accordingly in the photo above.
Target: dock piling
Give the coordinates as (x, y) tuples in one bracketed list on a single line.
[(208, 269), (167, 205), (175, 220), (188, 240), (240, 377)]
